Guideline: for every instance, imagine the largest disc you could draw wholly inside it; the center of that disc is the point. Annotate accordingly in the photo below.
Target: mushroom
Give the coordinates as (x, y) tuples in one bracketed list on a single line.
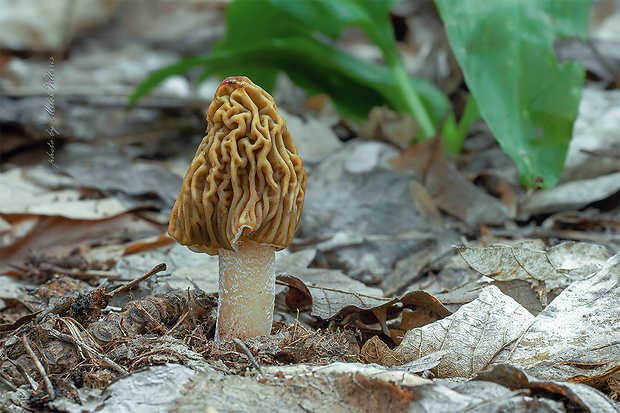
[(241, 199)]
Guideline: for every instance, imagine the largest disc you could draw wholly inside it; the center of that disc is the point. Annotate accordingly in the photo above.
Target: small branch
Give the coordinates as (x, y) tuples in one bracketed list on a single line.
[(42, 372), (155, 270), (150, 318), (190, 303), (61, 306), (33, 384), (178, 323), (243, 348), (7, 383)]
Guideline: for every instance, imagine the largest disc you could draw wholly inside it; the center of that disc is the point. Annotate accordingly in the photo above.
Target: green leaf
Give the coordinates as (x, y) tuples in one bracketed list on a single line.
[(528, 99), (160, 75), (331, 17), (355, 86), (454, 133), (249, 21), (265, 37)]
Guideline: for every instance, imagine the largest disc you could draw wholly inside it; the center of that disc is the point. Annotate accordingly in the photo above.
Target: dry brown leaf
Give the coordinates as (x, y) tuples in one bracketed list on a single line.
[(576, 397), (328, 303), (451, 191), (60, 235)]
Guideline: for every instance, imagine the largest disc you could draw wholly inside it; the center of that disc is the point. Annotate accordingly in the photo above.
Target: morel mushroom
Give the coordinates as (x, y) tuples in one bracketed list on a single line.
[(241, 198)]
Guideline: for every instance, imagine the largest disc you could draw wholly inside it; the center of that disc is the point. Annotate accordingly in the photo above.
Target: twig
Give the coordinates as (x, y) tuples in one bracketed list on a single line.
[(297, 340), (61, 306), (33, 384), (27, 270), (296, 324), (7, 382), (242, 347), (155, 270), (42, 372), (190, 303), (80, 333), (178, 323), (85, 347), (159, 326)]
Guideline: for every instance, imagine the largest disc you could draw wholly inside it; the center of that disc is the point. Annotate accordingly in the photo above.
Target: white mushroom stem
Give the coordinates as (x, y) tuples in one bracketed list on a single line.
[(247, 291)]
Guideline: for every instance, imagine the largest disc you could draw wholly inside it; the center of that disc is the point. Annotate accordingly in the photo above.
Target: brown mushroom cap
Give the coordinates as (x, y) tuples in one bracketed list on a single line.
[(246, 179)]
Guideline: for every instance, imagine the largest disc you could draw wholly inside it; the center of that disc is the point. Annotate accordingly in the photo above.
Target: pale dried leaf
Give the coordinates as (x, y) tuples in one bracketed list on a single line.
[(581, 259), (571, 195), (354, 190), (520, 290), (503, 263), (578, 333), (20, 196), (471, 337), (185, 267), (342, 387), (376, 351), (596, 134), (147, 391), (23, 29), (314, 139), (408, 269), (451, 191), (327, 302), (369, 370), (557, 267)]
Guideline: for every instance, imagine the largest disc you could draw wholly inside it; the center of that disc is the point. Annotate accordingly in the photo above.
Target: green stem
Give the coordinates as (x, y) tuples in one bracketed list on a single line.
[(470, 113), (411, 97)]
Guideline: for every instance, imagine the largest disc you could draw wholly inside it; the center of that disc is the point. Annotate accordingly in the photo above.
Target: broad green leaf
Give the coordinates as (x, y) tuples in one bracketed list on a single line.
[(331, 17), (528, 99), (249, 21), (372, 16)]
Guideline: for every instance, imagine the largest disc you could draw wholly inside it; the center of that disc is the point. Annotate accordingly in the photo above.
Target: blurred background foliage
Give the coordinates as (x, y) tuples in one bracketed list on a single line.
[(504, 48)]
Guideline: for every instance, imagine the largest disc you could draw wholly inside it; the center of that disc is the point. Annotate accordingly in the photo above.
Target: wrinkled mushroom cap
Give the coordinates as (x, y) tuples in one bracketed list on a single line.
[(246, 179)]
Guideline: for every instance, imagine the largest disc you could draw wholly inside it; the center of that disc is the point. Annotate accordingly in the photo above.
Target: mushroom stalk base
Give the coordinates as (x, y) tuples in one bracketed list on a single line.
[(247, 291)]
